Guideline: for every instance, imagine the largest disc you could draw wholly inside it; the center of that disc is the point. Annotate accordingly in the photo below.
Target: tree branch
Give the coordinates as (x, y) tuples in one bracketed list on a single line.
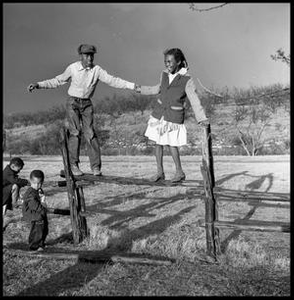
[(261, 130), (193, 7), (240, 135), (253, 145)]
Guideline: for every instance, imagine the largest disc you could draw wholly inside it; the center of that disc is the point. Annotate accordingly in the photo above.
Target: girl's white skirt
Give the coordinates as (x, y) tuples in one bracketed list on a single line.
[(166, 133)]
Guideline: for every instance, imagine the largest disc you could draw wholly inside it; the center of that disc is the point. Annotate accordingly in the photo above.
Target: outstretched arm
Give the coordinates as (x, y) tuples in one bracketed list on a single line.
[(16, 180), (148, 90), (52, 83), (115, 82), (195, 103)]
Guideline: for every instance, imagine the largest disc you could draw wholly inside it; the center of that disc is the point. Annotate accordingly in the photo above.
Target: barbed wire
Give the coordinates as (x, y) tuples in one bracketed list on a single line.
[(254, 97), (263, 94), (233, 122), (259, 96)]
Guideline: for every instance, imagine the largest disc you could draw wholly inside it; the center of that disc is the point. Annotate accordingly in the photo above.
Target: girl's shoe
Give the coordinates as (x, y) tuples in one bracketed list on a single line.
[(178, 177), (157, 177)]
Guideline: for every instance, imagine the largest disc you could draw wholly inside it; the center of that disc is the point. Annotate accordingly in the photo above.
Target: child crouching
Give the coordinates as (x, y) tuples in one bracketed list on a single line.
[(35, 212), (12, 185)]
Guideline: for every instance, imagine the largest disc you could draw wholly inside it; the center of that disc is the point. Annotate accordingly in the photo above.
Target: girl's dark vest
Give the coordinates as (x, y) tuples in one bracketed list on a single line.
[(171, 95)]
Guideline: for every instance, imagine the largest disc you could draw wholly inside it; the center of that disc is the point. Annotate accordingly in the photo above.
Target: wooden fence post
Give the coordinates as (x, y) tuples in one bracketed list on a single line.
[(79, 223), (211, 212)]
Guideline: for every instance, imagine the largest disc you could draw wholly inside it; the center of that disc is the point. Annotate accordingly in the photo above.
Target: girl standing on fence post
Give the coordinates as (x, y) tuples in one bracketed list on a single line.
[(166, 123)]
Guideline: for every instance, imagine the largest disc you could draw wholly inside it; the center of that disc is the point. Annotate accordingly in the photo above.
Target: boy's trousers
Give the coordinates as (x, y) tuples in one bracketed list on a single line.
[(79, 111), (38, 234)]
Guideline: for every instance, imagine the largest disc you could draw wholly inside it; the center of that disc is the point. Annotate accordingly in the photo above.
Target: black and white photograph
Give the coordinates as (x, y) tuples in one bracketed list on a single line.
[(146, 149)]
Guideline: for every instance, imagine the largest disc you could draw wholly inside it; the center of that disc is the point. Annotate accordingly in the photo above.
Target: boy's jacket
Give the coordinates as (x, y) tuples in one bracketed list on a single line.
[(11, 177), (32, 208)]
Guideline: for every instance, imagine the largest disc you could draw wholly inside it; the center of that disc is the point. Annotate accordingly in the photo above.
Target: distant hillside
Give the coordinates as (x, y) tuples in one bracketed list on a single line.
[(126, 133), (29, 132), (120, 123)]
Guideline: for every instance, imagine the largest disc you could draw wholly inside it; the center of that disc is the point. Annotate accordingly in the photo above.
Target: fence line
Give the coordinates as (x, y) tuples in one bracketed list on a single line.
[(212, 223)]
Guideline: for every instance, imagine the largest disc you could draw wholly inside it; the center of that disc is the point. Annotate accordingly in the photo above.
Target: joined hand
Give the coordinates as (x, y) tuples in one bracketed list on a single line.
[(32, 86), (137, 88)]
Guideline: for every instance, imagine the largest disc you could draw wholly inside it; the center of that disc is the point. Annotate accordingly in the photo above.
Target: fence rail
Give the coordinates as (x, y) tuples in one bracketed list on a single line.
[(214, 194)]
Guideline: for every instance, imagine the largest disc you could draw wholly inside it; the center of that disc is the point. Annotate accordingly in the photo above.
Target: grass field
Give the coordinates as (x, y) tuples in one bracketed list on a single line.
[(156, 221)]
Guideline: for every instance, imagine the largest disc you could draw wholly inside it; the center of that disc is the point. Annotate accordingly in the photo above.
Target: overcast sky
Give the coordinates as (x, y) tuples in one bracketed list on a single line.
[(230, 46)]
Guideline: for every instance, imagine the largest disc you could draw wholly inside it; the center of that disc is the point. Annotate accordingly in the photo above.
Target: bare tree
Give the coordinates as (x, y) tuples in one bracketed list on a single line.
[(253, 113), (250, 133), (281, 56)]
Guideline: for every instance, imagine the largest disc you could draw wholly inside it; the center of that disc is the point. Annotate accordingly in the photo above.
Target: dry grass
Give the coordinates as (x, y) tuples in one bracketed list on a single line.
[(156, 221)]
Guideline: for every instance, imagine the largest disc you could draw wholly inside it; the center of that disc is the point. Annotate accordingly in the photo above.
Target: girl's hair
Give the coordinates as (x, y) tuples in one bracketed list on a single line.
[(37, 174), (178, 55)]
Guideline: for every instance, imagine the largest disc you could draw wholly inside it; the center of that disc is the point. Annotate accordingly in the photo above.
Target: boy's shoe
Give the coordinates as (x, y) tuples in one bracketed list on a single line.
[(157, 177), (178, 177), (39, 249), (97, 172), (76, 171)]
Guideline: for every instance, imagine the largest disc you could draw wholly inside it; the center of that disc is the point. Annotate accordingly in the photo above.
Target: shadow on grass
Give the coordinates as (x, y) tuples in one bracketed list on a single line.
[(256, 184), (76, 276), (236, 233), (118, 218), (155, 227), (64, 238), (230, 176), (73, 277), (120, 199), (51, 191)]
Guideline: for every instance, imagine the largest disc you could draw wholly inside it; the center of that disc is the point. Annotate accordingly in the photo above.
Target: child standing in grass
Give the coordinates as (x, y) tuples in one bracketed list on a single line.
[(166, 123), (12, 185), (35, 212)]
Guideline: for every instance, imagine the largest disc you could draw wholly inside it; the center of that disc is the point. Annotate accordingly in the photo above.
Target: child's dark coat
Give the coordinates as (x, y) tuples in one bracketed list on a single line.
[(32, 208), (36, 215), (10, 178)]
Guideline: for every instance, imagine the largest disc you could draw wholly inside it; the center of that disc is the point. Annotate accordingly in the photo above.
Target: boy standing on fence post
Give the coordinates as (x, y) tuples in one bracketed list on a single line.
[(84, 76)]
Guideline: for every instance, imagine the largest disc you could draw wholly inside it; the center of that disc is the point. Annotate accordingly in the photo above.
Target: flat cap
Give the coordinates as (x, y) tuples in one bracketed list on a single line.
[(85, 48)]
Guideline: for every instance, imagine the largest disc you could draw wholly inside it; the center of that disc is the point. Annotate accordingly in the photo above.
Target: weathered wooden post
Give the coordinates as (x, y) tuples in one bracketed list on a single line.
[(211, 215), (76, 204)]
